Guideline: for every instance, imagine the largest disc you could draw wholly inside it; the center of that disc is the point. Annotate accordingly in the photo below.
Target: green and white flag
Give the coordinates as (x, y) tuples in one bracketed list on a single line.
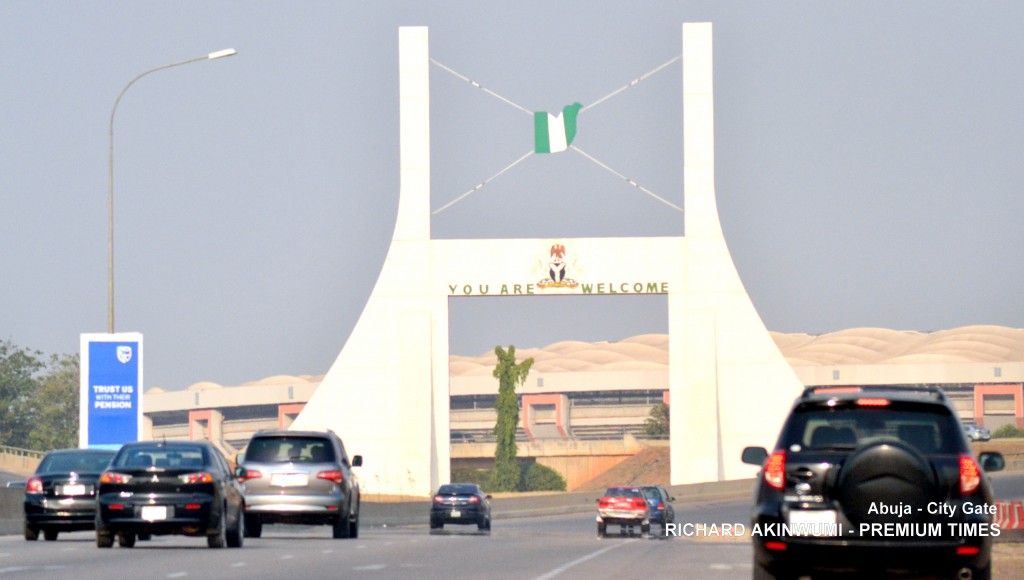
[(553, 134)]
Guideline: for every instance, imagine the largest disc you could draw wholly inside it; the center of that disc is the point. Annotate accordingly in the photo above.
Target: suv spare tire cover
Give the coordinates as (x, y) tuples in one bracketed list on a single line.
[(886, 477)]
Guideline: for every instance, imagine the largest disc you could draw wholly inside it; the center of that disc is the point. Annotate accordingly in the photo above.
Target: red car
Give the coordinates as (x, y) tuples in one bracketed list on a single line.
[(623, 506)]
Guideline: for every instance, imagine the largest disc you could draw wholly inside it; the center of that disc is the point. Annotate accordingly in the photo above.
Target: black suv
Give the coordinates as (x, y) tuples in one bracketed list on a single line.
[(876, 482), (299, 477)]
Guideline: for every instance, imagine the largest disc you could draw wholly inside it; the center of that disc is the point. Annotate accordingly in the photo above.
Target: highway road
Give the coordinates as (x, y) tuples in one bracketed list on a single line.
[(523, 548), (538, 548)]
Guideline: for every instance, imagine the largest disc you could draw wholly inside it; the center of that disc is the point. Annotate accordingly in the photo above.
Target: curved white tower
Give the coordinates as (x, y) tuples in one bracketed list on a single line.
[(387, 392)]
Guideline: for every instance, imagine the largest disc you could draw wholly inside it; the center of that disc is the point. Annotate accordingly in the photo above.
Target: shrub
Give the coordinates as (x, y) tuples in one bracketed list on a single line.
[(539, 477), (1007, 431)]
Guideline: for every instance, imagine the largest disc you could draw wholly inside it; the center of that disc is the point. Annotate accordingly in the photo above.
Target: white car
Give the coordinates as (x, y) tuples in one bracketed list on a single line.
[(977, 432)]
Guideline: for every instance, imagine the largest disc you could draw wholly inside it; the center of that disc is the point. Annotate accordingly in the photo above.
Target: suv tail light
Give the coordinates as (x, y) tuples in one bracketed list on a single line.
[(251, 474), (34, 485), (775, 470), (970, 475), (334, 475)]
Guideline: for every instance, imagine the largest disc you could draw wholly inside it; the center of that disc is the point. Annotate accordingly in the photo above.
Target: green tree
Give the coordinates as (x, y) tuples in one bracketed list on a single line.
[(18, 367), (658, 425), (510, 375), (53, 406)]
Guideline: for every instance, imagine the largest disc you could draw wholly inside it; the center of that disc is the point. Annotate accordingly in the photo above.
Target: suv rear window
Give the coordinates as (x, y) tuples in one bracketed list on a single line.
[(928, 430), (289, 450)]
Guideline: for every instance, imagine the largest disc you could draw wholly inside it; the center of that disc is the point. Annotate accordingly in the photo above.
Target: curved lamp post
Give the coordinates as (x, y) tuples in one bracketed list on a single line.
[(110, 193)]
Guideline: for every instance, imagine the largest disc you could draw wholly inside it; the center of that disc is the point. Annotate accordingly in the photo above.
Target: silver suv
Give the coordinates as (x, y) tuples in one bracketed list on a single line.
[(299, 477)]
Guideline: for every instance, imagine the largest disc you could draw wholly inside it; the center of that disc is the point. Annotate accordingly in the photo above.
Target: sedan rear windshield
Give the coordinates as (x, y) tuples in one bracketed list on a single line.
[(623, 492), (161, 457), (75, 462), (456, 489), (289, 450), (929, 430)]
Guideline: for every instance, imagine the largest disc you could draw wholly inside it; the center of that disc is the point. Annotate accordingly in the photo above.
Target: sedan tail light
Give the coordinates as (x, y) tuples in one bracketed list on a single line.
[(970, 475), (114, 477), (775, 470), (34, 485), (197, 477), (474, 499), (639, 503), (605, 502), (334, 475), (438, 499)]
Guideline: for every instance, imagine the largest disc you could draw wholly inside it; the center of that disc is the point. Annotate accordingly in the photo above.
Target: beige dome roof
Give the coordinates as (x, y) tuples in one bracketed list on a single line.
[(852, 346)]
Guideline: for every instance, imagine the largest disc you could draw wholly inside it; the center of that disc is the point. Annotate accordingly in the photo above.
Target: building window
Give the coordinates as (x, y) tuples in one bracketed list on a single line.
[(835, 375), (540, 381), (999, 371)]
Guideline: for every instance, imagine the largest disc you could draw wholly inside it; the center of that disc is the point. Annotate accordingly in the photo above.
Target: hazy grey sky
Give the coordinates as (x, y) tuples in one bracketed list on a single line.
[(870, 162)]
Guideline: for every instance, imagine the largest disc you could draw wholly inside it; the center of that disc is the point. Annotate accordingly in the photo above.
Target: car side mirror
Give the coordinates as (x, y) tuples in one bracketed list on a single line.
[(992, 461), (240, 473), (671, 499), (240, 458), (754, 455), (488, 496), (357, 460)]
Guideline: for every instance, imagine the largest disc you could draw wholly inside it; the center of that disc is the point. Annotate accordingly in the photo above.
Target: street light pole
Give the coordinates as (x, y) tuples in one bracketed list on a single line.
[(110, 182)]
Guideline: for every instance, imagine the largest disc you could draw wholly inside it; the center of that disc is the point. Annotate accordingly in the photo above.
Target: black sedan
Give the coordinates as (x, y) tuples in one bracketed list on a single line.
[(61, 495), (460, 503), (171, 487)]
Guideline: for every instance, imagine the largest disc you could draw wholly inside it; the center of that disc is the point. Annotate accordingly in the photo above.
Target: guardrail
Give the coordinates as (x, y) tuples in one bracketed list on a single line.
[(18, 460)]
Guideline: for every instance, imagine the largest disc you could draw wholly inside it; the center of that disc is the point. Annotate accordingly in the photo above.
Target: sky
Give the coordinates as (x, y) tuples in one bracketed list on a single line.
[(869, 165)]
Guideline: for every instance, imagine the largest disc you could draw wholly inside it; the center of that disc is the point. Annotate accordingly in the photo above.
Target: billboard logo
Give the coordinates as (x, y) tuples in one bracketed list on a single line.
[(124, 354)]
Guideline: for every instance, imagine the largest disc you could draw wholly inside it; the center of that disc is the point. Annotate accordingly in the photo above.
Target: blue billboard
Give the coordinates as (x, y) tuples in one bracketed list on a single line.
[(110, 400)]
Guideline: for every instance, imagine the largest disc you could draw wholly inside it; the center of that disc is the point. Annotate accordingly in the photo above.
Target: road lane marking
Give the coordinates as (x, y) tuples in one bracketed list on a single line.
[(178, 575), (370, 567), (565, 567), (327, 551), (287, 556), (238, 564)]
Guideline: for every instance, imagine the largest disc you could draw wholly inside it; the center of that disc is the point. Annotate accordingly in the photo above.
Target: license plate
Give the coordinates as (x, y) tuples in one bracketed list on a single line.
[(813, 522), (456, 513), (289, 479), (152, 513), (73, 490)]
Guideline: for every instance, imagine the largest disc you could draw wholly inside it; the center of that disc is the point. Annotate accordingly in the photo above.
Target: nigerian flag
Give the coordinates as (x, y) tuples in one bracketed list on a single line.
[(553, 134)]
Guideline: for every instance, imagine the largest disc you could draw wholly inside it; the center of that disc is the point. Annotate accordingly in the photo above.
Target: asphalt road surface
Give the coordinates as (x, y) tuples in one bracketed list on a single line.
[(538, 548), (527, 548)]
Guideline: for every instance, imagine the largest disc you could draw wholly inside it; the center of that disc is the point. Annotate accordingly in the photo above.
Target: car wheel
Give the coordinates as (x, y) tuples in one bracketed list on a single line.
[(253, 527), (50, 535), (126, 539), (763, 574), (236, 535), (435, 524), (31, 534), (104, 539), (341, 528), (353, 527), (980, 574), (602, 530), (220, 538), (144, 537), (645, 530)]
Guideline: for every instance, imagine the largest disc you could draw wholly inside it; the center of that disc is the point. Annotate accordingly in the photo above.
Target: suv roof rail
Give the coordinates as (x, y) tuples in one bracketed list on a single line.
[(826, 389)]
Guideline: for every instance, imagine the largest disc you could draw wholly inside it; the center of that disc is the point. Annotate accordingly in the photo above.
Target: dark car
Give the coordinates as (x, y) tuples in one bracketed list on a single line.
[(172, 487), (460, 503), (874, 481), (660, 503), (626, 507), (61, 495), (300, 477)]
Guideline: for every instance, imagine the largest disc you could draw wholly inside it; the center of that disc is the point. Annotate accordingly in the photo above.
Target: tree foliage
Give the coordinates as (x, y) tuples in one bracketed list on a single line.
[(658, 426), (510, 376), (38, 399)]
